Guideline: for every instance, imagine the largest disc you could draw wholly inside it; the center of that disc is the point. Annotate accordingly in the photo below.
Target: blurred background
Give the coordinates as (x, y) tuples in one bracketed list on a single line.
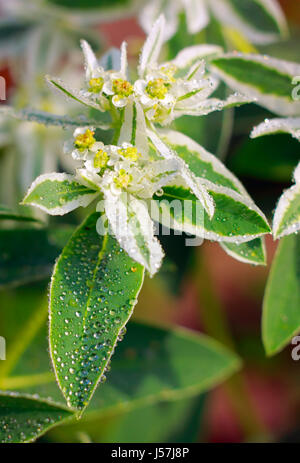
[(200, 288)]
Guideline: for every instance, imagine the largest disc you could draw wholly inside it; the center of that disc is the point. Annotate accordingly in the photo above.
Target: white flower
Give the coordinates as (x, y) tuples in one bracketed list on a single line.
[(84, 145), (161, 93)]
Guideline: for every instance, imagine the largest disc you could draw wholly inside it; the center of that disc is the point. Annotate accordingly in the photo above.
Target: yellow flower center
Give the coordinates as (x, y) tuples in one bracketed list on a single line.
[(157, 89), (85, 140), (123, 179), (130, 153), (122, 87), (101, 159), (96, 85)]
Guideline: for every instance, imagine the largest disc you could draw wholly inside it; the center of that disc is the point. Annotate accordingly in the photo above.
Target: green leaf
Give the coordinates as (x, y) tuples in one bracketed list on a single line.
[(288, 125), (267, 79), (58, 194), (281, 315), (24, 418), (93, 293), (265, 158), (29, 254), (235, 219), (46, 118), (252, 252), (151, 365), (7, 214)]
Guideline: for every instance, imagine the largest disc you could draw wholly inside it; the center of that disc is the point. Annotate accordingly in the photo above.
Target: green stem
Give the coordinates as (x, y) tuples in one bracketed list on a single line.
[(216, 325), (118, 124)]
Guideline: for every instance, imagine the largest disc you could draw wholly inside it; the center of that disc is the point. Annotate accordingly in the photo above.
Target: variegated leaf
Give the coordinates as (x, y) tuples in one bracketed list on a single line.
[(58, 194), (133, 228), (261, 21), (289, 125), (269, 80), (287, 215)]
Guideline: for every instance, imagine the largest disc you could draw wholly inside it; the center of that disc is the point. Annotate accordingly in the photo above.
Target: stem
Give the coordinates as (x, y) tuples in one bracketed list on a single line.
[(118, 125), (216, 325)]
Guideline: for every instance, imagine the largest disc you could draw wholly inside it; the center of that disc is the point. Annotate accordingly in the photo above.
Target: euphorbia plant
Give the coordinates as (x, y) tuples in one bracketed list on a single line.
[(99, 274)]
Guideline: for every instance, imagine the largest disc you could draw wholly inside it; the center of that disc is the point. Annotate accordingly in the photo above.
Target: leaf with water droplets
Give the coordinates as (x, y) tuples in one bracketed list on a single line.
[(281, 314), (202, 163), (93, 292), (209, 168), (23, 418), (252, 252), (262, 77), (133, 228), (58, 194), (287, 215), (236, 220), (289, 125)]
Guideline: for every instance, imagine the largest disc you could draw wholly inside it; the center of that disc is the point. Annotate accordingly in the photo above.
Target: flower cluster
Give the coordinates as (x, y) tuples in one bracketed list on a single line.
[(139, 163), (116, 169), (164, 91)]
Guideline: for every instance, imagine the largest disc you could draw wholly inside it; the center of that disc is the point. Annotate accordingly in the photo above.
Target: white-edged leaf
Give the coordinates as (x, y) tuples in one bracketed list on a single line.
[(134, 230), (252, 252), (189, 55), (202, 163), (58, 194), (261, 21), (187, 176), (152, 46), (289, 125), (287, 215), (78, 95), (267, 79), (45, 118), (213, 104), (236, 219)]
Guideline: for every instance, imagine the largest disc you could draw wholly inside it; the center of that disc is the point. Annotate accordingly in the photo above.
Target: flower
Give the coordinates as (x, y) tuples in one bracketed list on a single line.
[(164, 91)]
